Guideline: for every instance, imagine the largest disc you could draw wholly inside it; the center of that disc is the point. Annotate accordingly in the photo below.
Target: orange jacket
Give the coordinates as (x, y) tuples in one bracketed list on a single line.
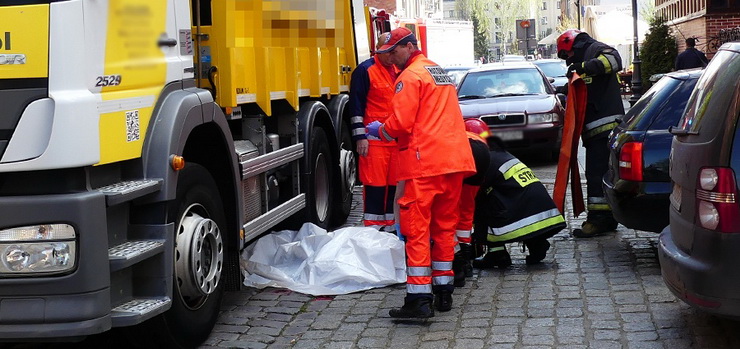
[(380, 94), (428, 123)]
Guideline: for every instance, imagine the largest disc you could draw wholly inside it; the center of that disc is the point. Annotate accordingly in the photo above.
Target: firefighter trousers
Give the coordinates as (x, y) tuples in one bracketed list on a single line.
[(378, 172), (464, 228)]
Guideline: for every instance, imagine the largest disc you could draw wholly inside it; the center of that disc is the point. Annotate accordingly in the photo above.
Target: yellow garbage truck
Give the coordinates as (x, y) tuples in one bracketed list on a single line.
[(144, 143)]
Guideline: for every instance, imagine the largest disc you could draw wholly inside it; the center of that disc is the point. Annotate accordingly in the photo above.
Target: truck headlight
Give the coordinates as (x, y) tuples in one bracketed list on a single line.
[(542, 118), (46, 248)]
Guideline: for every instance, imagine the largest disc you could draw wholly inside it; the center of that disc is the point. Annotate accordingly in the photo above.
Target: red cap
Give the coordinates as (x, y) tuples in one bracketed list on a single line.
[(565, 42), (398, 36), (478, 127)]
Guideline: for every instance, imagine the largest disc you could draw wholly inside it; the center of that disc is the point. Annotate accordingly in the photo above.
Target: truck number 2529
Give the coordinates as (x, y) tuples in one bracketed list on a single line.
[(108, 80)]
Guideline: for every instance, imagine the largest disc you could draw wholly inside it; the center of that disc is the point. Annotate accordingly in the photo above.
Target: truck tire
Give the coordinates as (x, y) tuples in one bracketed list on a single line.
[(200, 247), (347, 175), (319, 195)]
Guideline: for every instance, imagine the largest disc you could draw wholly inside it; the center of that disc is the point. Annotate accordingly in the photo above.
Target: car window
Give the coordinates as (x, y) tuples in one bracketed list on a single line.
[(553, 69), (672, 110), (500, 82), (715, 89), (456, 75), (639, 117)]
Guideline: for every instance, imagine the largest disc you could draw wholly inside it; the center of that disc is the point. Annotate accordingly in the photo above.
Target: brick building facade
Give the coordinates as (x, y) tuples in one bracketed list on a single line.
[(713, 22)]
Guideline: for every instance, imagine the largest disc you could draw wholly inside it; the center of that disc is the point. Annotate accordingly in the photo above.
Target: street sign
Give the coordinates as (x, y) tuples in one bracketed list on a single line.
[(524, 23)]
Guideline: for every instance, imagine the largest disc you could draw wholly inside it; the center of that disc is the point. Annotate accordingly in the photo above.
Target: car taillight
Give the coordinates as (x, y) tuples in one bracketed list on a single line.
[(717, 208), (630, 161)]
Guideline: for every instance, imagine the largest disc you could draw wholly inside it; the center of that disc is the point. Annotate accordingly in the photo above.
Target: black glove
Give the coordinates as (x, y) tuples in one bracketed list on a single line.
[(575, 67)]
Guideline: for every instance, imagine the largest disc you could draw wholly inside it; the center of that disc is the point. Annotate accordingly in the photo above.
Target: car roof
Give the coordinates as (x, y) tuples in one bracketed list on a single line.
[(686, 73), (503, 65), (459, 67)]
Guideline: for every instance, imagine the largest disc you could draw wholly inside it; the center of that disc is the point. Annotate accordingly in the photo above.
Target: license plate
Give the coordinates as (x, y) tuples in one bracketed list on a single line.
[(676, 197), (509, 135)]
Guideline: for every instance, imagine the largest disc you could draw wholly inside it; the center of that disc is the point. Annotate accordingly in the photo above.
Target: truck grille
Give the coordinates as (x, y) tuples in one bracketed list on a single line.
[(497, 120)]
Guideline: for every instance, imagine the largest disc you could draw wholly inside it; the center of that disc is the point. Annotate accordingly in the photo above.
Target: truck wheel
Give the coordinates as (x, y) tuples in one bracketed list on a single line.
[(199, 260), (319, 196), (348, 176)]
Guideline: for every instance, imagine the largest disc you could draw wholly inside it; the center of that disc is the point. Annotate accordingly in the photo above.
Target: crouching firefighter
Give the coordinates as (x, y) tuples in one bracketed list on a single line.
[(512, 205)]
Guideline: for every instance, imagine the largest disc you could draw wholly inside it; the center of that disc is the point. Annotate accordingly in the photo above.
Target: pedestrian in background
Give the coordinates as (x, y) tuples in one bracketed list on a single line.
[(691, 57), (434, 157), (597, 64), (371, 91)]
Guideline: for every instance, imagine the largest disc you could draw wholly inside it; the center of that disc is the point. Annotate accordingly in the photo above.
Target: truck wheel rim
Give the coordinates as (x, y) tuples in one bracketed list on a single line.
[(321, 185), (198, 256), (349, 172)]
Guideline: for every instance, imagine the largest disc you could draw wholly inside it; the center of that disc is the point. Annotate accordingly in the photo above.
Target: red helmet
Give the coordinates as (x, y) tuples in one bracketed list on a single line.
[(565, 42), (478, 127)]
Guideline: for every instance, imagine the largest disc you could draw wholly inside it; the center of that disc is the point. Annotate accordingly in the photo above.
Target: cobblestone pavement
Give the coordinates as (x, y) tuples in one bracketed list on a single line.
[(604, 292)]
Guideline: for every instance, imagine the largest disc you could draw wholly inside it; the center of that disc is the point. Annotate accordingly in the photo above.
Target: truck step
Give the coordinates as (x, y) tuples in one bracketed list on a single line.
[(138, 310), (128, 190), (132, 252)]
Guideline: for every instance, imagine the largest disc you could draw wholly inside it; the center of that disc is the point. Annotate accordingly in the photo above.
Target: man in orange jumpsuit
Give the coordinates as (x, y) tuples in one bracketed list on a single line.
[(370, 94), (434, 157)]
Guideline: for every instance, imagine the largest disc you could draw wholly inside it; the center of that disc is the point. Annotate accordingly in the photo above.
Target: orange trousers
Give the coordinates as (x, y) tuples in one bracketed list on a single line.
[(464, 228), (429, 213), (378, 173)]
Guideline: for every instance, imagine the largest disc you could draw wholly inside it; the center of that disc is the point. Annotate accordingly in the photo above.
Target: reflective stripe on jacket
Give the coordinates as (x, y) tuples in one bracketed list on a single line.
[(427, 123)]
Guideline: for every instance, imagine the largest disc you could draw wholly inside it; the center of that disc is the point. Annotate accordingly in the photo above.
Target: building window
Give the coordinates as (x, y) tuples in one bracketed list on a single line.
[(558, 4), (543, 20), (718, 3), (452, 13), (544, 6)]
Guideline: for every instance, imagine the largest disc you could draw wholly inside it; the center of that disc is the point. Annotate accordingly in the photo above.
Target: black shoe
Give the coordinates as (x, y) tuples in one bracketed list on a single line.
[(443, 300), (537, 250), (467, 252), (458, 267), (493, 259), (418, 308)]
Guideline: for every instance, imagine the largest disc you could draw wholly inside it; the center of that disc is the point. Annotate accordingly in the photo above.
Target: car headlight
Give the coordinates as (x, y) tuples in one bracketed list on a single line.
[(543, 118), (45, 248)]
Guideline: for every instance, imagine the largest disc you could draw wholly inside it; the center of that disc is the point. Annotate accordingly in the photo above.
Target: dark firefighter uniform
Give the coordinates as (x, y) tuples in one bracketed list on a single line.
[(597, 64), (371, 91), (513, 205)]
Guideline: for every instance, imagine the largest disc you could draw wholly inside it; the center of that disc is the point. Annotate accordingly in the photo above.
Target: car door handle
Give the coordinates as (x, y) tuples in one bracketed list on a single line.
[(165, 41)]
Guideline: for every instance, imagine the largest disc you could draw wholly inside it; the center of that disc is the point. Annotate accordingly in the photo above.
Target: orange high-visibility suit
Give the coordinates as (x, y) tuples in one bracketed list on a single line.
[(434, 157), (371, 92)]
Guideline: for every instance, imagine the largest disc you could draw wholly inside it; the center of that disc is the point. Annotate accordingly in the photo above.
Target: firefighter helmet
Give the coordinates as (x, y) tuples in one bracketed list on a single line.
[(478, 127), (565, 42)]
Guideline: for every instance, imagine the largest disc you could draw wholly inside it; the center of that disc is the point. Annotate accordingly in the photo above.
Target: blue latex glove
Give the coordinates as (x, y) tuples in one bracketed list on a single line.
[(373, 129), (398, 232)]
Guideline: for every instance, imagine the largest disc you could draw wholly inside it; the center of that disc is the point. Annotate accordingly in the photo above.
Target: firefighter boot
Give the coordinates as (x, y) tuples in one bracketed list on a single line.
[(467, 251), (418, 307), (443, 300), (595, 225), (458, 267), (497, 257), (537, 250)]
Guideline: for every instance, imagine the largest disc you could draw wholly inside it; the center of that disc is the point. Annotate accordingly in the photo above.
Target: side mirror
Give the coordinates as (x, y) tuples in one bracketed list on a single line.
[(562, 99), (551, 80)]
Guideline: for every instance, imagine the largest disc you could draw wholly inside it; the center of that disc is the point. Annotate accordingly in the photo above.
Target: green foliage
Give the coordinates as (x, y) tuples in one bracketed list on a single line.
[(658, 52), (480, 39)]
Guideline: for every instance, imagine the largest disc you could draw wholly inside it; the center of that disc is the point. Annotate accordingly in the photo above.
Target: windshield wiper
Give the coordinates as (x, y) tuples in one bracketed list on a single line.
[(513, 94), (471, 97)]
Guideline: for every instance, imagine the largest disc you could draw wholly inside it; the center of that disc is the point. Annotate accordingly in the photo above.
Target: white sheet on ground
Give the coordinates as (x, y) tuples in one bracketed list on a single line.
[(317, 262)]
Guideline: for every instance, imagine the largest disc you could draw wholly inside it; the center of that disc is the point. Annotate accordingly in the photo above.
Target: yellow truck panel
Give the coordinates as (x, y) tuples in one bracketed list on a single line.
[(23, 30), (268, 50)]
